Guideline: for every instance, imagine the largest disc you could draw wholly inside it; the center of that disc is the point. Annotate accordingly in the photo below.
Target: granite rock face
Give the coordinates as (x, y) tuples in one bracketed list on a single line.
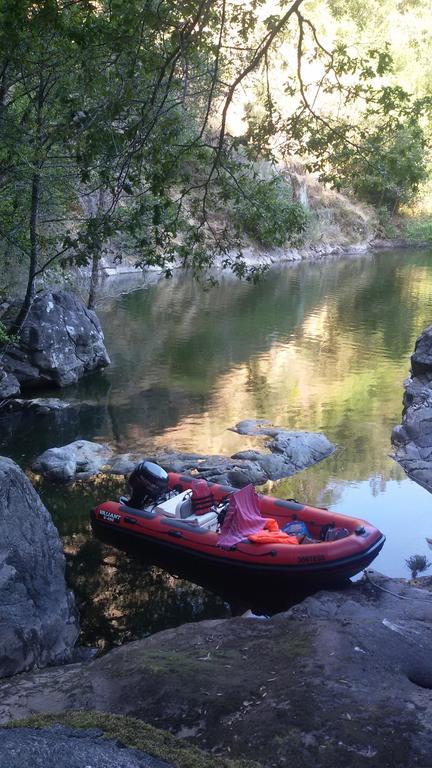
[(60, 341), (412, 439), (421, 359), (38, 620), (343, 679)]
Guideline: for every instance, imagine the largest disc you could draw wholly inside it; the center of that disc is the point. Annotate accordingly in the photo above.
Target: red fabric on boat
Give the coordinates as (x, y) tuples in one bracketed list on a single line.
[(202, 498), (243, 517)]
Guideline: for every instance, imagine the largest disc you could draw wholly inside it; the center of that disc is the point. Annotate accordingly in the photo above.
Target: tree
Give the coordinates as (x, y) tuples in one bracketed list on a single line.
[(114, 125), (37, 171)]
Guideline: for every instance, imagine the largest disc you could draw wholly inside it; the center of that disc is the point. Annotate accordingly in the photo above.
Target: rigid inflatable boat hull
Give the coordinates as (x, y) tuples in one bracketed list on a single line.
[(323, 562)]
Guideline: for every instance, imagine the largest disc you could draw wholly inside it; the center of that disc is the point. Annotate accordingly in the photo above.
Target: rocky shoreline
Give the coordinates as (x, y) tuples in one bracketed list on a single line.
[(288, 452), (341, 679)]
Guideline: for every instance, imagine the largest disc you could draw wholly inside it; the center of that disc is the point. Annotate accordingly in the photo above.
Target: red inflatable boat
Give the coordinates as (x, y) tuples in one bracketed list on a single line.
[(176, 526)]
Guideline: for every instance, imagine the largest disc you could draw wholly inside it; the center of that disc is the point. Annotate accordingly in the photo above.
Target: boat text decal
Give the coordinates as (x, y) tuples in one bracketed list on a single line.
[(311, 559), (110, 517)]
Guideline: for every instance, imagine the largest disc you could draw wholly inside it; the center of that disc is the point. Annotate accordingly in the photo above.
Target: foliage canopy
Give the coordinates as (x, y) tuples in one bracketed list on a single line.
[(115, 124)]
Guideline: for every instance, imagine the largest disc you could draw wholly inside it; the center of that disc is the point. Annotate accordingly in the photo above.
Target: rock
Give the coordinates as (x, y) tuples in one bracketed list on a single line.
[(77, 461), (291, 452), (9, 385), (251, 427), (294, 450), (412, 440), (60, 341), (38, 620), (69, 747), (123, 464), (342, 679), (38, 406), (421, 360)]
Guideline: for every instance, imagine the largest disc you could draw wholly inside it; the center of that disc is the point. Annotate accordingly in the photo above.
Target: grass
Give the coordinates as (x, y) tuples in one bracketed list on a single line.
[(419, 229)]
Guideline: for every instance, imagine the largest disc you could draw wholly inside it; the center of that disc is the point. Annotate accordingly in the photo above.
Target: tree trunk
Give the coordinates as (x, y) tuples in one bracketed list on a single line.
[(96, 257), (34, 216), (94, 280), (34, 213)]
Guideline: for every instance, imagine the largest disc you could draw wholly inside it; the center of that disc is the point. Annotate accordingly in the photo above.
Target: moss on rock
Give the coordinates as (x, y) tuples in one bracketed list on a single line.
[(135, 734)]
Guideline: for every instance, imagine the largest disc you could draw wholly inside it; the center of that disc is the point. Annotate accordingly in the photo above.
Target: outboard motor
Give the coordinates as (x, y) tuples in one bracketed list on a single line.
[(149, 485)]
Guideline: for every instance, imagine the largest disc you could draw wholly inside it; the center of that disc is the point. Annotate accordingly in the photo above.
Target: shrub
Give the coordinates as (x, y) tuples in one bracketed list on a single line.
[(417, 564), (389, 168), (265, 210), (5, 338), (419, 230)]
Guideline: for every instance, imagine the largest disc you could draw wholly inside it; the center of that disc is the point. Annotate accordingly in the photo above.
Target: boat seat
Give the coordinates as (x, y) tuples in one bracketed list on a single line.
[(209, 521), (171, 507), (180, 507), (184, 507)]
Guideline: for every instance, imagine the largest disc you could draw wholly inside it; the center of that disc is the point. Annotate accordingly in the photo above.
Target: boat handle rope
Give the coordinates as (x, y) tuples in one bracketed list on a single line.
[(395, 594), (180, 535)]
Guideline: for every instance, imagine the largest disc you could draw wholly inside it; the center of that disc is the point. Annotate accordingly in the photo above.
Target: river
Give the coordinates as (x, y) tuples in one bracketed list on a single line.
[(319, 346)]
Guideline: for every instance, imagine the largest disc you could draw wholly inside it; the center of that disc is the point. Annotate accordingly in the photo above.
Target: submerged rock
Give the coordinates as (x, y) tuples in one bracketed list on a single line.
[(77, 461), (342, 679), (38, 406), (38, 620), (291, 452), (412, 439), (60, 341)]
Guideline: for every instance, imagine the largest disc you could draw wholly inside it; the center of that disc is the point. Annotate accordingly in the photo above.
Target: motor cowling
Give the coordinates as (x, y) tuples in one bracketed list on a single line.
[(148, 483)]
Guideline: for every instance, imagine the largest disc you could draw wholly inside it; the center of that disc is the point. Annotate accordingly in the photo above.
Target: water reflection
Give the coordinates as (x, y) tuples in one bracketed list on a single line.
[(322, 347), (122, 597)]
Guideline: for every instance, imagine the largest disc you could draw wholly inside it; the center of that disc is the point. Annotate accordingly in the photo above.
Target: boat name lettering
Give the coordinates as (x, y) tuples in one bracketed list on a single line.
[(111, 517), (312, 559)]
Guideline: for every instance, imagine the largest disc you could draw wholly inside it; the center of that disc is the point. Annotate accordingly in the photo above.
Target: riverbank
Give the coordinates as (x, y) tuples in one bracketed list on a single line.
[(341, 679)]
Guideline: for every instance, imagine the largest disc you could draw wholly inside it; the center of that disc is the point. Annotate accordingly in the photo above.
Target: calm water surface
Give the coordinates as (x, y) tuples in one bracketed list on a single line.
[(320, 347)]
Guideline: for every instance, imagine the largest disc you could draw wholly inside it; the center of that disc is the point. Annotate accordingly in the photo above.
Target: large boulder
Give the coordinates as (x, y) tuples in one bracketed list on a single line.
[(38, 619), (60, 341), (77, 461), (421, 359), (412, 439)]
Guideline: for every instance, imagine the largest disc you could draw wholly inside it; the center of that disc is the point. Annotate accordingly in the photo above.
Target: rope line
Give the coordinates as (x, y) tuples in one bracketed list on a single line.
[(395, 594)]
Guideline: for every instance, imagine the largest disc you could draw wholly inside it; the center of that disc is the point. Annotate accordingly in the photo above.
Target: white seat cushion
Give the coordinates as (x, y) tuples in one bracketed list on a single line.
[(209, 520), (171, 507)]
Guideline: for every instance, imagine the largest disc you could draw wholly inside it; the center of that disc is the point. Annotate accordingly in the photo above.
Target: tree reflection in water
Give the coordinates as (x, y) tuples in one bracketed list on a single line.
[(122, 598)]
